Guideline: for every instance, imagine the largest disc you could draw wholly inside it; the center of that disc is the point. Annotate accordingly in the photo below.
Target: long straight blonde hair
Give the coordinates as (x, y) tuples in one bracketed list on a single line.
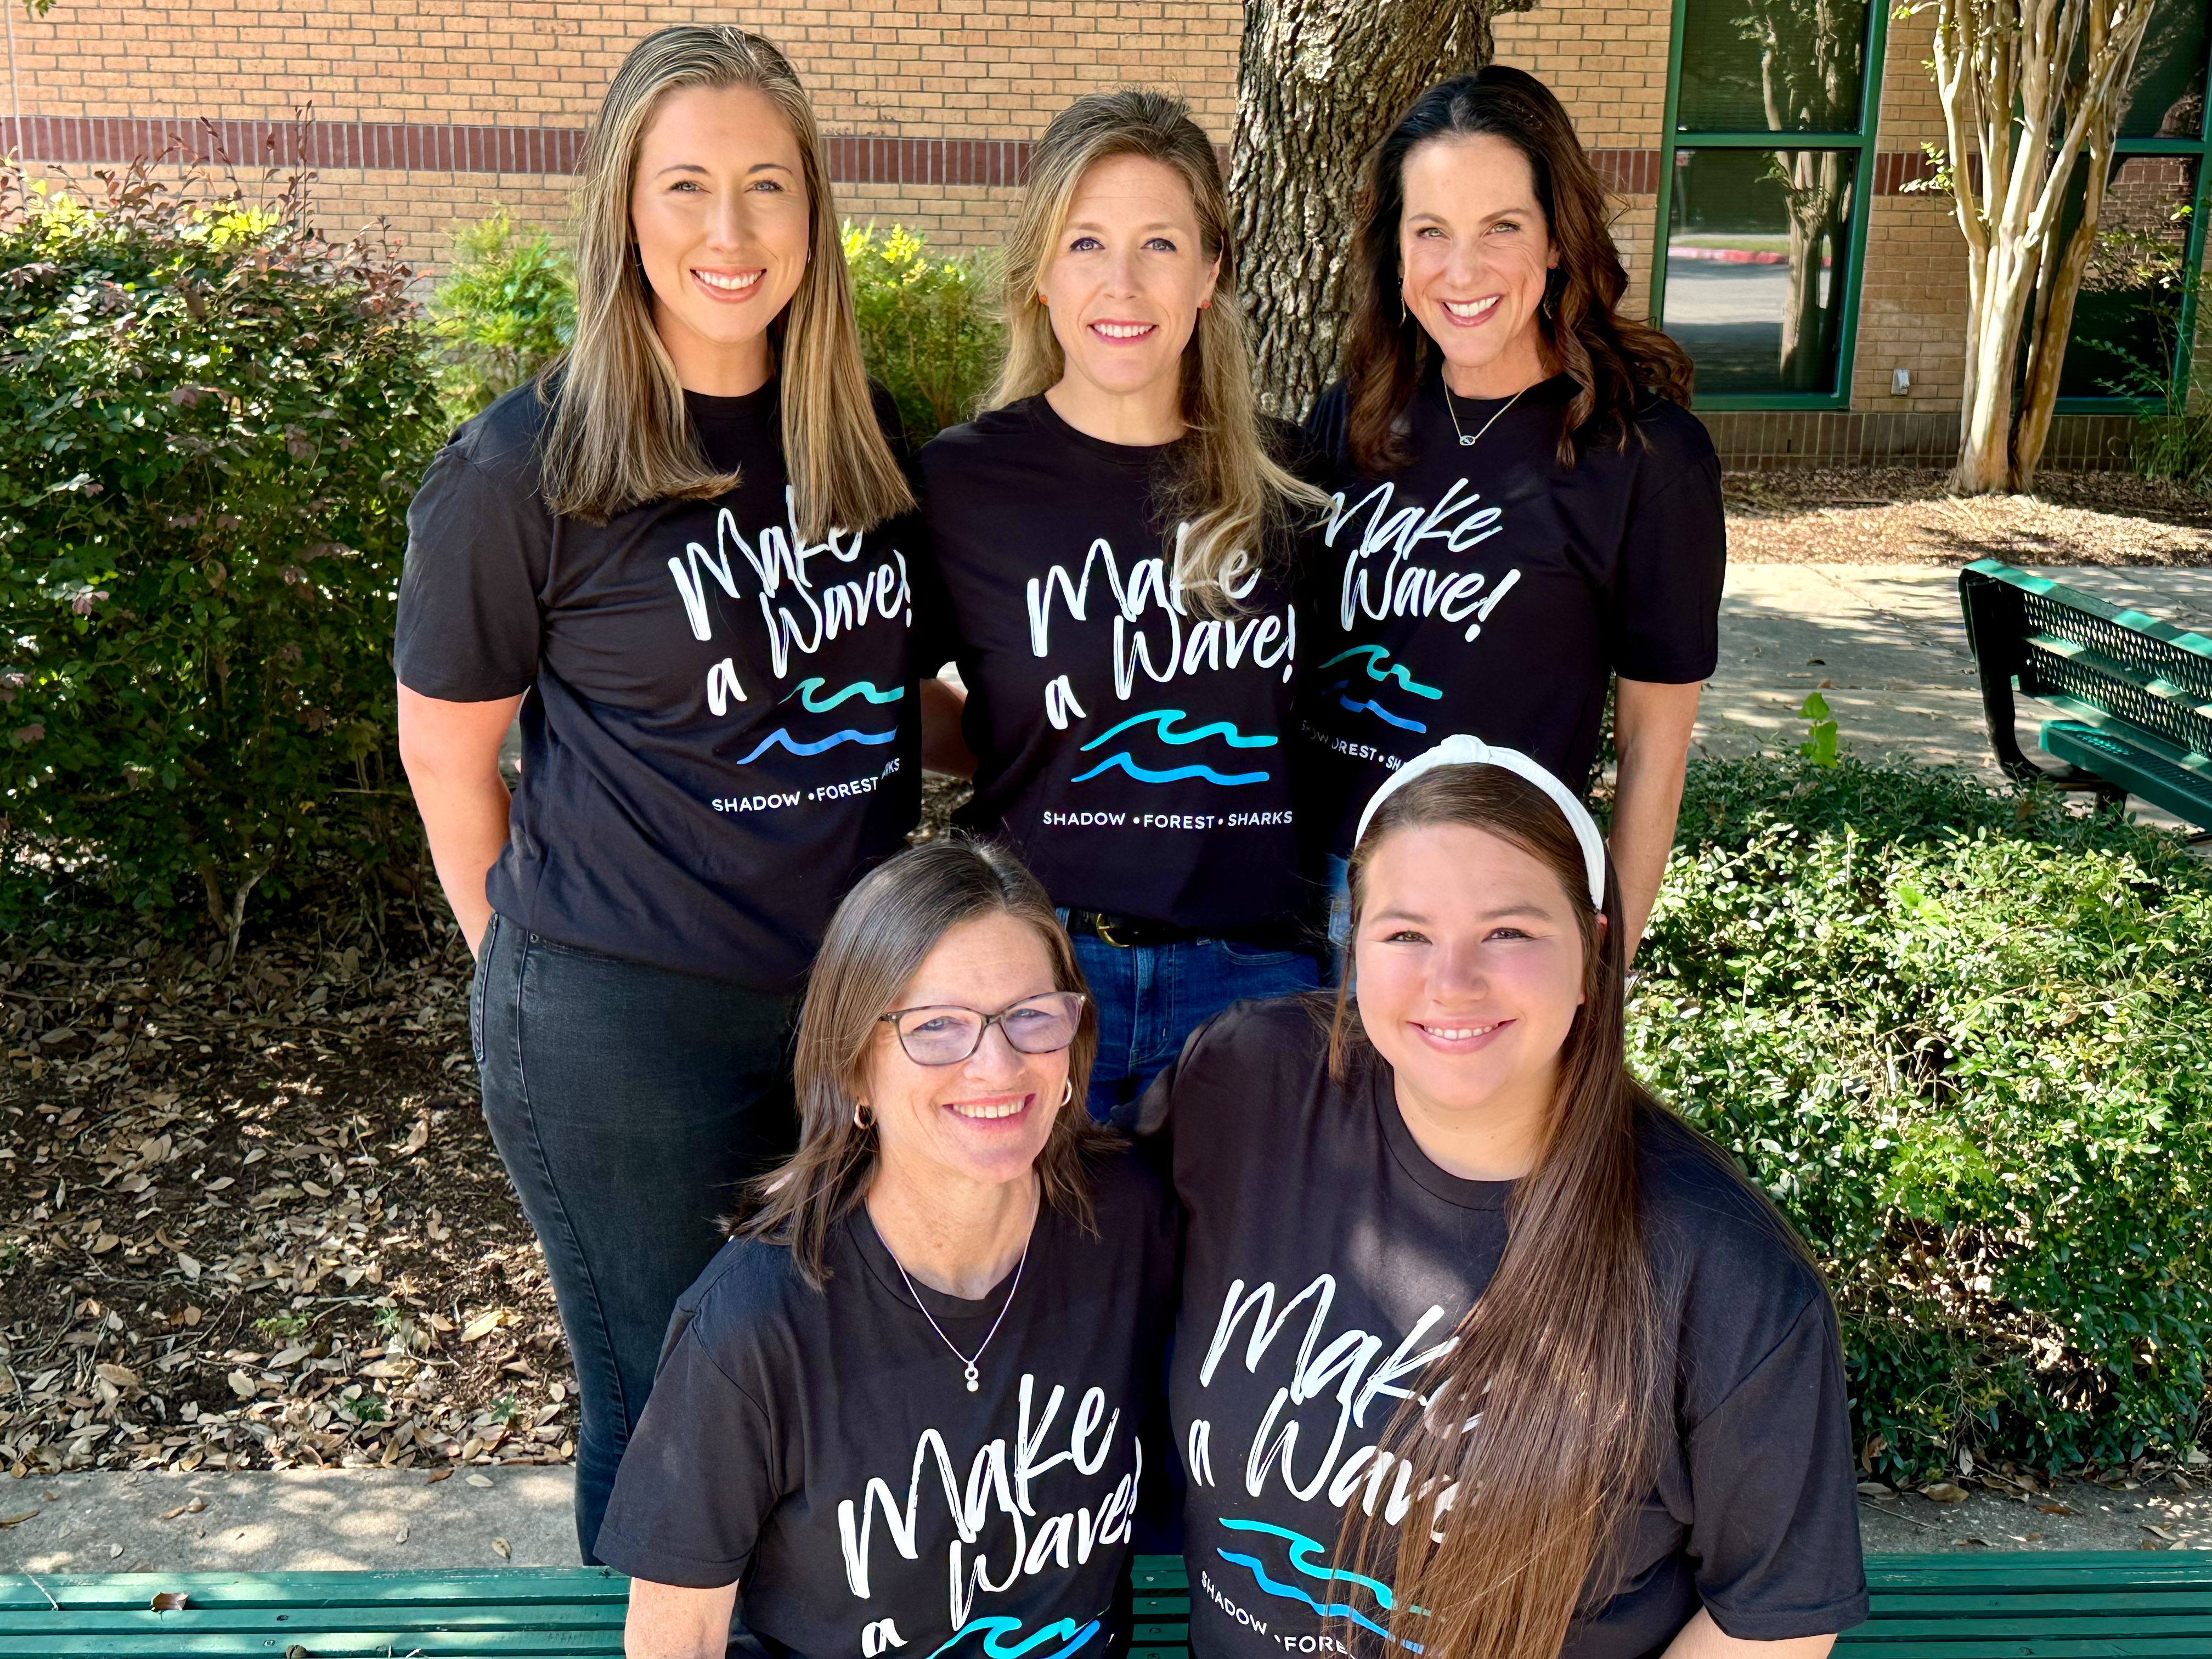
[(1231, 491), (620, 435)]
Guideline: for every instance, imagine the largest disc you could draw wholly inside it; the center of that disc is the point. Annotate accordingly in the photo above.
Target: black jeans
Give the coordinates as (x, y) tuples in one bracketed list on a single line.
[(627, 1103)]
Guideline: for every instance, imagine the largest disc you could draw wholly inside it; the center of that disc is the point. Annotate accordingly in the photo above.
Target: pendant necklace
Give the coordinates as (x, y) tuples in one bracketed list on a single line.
[(1465, 442), (967, 1363)]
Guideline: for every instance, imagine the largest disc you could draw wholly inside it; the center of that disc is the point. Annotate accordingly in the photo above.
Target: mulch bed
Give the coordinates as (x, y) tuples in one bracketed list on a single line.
[(253, 1219), (1900, 515)]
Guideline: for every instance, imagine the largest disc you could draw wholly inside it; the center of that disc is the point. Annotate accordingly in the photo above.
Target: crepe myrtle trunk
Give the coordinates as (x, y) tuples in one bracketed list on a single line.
[(1319, 82)]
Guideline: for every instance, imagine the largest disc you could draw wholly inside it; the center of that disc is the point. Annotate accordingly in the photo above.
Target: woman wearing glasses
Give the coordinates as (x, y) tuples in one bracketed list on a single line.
[(902, 1406)]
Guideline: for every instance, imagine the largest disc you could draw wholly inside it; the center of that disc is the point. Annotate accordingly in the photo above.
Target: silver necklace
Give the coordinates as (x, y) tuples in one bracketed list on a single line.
[(1465, 442), (967, 1362)]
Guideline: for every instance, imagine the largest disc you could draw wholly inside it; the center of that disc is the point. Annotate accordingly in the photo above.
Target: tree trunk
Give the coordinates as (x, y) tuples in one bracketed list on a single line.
[(2030, 89), (1319, 82)]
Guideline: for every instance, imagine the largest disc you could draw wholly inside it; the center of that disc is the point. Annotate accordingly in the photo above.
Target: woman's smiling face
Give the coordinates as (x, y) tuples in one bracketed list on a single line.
[(1469, 966), (719, 207), (1126, 277), (1476, 252), (986, 1119)]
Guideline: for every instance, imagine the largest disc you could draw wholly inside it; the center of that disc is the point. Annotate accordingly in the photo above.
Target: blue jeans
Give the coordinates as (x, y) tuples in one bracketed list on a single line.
[(1151, 996), (627, 1103)]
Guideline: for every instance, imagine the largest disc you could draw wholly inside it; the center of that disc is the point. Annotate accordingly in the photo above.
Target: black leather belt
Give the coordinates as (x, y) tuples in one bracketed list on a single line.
[(1128, 932)]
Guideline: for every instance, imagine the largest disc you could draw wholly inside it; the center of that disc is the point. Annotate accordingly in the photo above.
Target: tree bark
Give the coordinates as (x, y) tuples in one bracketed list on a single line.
[(2030, 90), (1319, 82)]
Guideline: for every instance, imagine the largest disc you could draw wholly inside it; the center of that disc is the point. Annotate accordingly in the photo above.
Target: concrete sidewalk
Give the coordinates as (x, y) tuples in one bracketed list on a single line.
[(1886, 647)]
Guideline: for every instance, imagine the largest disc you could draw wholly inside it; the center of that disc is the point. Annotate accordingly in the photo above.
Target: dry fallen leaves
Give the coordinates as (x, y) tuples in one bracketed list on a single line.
[(1945, 1492)]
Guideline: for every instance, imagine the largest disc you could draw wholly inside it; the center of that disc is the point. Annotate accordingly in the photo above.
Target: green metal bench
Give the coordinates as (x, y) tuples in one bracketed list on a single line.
[(2131, 1605), (2137, 690)]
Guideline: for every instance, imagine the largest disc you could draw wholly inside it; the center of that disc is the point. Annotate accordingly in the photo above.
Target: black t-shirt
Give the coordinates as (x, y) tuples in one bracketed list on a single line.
[(820, 1448), (1133, 750), (725, 729), (1327, 1262), (1491, 591)]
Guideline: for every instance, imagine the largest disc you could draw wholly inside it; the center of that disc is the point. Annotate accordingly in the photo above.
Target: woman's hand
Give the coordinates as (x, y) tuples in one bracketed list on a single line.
[(450, 751), (1701, 1639), (668, 1622)]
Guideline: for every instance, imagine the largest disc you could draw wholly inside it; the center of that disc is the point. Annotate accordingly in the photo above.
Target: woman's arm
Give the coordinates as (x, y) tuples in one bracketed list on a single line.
[(1651, 728), (450, 751), (1701, 1639), (943, 748), (667, 1622)]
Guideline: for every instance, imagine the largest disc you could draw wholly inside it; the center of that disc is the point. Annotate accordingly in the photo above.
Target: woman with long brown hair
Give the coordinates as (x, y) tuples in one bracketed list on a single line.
[(1116, 536), (1526, 513), (902, 1406), (1483, 1353), (680, 556)]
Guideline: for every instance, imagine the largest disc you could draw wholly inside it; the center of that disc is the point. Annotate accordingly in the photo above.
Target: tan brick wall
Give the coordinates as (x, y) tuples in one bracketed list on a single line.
[(958, 69), (1607, 63)]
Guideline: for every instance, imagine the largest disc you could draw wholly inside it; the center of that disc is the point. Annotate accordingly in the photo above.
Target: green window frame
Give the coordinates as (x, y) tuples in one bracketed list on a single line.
[(1858, 144), (2198, 153)]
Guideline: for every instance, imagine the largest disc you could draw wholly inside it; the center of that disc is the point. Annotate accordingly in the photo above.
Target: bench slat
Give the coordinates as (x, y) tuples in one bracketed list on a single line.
[(301, 1621), (508, 1587), (2008, 1570), (393, 1642), (2013, 1647)]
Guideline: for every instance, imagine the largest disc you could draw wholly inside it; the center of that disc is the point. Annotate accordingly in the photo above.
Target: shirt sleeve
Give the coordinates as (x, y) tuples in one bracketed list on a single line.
[(478, 542), (1665, 621), (698, 1479), (1776, 1532)]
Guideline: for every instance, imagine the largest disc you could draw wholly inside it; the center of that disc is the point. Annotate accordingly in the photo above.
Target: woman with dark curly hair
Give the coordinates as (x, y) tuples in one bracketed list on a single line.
[(1526, 513)]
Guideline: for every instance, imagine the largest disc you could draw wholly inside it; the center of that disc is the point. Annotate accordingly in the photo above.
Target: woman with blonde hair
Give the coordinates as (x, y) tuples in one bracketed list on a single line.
[(1116, 535), (680, 556), (928, 1351)]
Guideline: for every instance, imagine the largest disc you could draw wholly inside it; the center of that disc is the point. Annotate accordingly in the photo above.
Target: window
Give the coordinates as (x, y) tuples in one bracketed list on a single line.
[(2137, 308), (1769, 156)]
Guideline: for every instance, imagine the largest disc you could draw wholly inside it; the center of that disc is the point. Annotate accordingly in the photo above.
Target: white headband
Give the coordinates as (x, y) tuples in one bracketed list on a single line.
[(1464, 751)]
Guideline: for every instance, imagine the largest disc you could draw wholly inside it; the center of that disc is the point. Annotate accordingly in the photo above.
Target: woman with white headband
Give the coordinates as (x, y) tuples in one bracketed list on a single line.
[(1483, 1353)]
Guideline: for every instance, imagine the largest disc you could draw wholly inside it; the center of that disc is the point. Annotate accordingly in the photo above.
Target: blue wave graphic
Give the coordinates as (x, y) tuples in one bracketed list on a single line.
[(1375, 654), (1000, 1626), (781, 738), (804, 691), (1122, 762), (1303, 1550), (1371, 706), (1168, 717)]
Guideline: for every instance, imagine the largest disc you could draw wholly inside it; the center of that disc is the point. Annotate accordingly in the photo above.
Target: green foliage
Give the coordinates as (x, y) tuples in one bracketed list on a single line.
[(926, 329), (506, 308), (1819, 744), (2172, 441), (211, 419), (1960, 1036)]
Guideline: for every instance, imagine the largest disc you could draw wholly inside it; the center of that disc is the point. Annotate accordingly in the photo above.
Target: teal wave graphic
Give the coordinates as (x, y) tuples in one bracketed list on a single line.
[(997, 1628), (781, 739), (1375, 655), (1121, 761), (1168, 717), (1303, 1551), (1371, 707), (804, 691)]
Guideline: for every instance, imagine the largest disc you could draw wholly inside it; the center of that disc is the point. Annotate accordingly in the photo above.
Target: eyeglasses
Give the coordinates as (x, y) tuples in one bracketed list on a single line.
[(945, 1035)]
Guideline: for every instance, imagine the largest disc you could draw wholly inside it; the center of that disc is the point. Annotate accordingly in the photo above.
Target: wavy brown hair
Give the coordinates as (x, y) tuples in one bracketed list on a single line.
[(620, 435), (1231, 489), (1538, 1441), (893, 918), (1614, 361)]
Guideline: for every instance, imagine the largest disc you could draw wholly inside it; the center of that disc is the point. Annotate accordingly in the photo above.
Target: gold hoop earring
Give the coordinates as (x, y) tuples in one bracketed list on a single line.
[(863, 1124)]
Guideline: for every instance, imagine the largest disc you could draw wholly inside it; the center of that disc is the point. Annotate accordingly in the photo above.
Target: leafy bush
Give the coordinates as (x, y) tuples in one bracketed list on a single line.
[(926, 328), (506, 308), (1961, 1037), (211, 419)]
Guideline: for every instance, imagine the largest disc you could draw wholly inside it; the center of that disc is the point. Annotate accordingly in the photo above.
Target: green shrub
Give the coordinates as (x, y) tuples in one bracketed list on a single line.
[(1961, 1037), (926, 328), (211, 419), (505, 309)]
